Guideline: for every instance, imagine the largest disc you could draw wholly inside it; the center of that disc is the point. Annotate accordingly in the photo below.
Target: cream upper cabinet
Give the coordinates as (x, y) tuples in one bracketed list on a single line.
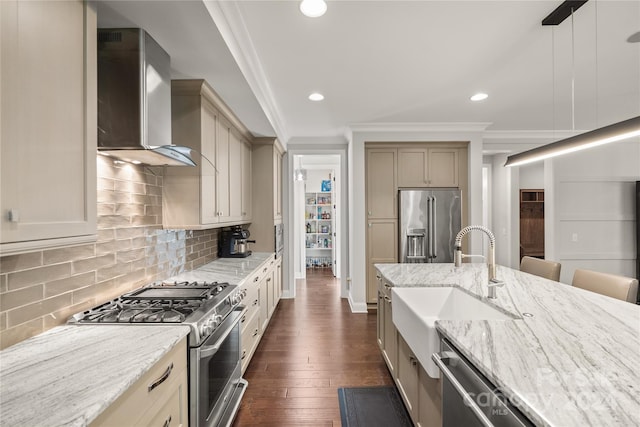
[(381, 185), (245, 184), (277, 184), (48, 134), (443, 167), (212, 193), (428, 167), (266, 178)]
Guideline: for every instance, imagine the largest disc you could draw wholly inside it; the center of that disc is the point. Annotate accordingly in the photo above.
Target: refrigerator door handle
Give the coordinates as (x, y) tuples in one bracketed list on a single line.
[(434, 226), (430, 226)]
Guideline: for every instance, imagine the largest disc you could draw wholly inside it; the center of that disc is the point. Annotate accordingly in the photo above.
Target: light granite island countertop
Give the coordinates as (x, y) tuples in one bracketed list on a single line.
[(70, 374), (576, 362)]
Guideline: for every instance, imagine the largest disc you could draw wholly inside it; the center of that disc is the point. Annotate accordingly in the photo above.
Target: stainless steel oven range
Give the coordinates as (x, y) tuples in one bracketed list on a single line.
[(213, 312)]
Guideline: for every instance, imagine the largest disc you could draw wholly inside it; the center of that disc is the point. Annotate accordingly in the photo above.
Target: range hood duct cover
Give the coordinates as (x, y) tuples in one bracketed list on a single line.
[(134, 99)]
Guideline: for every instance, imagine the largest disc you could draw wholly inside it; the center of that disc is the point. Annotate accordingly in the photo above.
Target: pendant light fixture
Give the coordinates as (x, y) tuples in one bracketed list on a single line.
[(615, 132), (604, 135)]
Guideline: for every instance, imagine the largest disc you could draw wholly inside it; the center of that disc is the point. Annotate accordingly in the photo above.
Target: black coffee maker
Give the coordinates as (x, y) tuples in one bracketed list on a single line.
[(233, 243)]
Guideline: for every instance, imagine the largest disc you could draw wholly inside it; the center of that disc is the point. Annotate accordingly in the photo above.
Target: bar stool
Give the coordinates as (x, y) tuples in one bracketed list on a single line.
[(619, 287), (541, 267)]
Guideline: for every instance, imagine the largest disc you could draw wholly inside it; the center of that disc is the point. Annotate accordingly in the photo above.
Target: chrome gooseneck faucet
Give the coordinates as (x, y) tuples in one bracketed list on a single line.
[(491, 261)]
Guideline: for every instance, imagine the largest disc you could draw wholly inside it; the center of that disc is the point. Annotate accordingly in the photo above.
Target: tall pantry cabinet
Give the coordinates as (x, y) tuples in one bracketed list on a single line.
[(267, 192), (48, 116), (392, 166)]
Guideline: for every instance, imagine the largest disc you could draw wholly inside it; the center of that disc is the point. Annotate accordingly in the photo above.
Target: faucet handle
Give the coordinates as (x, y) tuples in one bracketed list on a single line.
[(472, 256), (493, 283)]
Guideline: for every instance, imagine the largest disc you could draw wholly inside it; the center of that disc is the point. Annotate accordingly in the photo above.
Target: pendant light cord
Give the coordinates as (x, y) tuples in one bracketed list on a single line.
[(573, 76)]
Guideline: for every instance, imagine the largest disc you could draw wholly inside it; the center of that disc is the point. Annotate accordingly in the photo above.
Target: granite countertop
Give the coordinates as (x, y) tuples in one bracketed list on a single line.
[(232, 270), (70, 374), (574, 363)]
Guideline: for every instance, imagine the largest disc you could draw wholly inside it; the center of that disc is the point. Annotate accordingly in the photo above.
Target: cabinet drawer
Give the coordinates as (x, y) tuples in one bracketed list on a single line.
[(154, 386), (249, 340), (251, 300), (169, 412)]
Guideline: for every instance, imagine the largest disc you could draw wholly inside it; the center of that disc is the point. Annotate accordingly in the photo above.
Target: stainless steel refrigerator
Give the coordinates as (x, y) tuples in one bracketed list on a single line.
[(429, 222)]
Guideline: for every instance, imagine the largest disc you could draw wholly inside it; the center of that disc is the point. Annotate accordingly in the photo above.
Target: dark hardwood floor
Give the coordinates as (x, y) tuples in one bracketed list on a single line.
[(312, 346)]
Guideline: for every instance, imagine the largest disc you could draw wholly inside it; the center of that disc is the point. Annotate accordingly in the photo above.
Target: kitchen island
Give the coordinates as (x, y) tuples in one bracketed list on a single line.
[(71, 374), (569, 358)]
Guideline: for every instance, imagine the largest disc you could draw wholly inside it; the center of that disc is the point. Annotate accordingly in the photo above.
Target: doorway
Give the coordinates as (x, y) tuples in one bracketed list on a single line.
[(317, 219)]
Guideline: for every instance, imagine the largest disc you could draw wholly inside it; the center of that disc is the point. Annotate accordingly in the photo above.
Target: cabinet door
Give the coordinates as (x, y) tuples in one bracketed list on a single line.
[(263, 296), (209, 177), (235, 178), (382, 247), (277, 185), (223, 144), (278, 279), (271, 292), (246, 181), (407, 378), (390, 351), (429, 400), (380, 320), (412, 170), (48, 116), (381, 183), (442, 167)]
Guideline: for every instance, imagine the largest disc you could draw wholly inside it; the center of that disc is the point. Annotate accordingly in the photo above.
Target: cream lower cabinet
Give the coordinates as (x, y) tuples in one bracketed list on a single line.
[(48, 113), (261, 300), (382, 247), (216, 192), (387, 332), (420, 393), (159, 398)]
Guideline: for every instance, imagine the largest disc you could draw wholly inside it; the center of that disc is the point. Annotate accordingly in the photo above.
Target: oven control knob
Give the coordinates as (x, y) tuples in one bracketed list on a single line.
[(216, 320), (205, 329)]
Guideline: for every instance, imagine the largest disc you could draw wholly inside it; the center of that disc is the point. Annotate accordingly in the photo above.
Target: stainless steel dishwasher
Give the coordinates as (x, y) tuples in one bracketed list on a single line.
[(468, 398)]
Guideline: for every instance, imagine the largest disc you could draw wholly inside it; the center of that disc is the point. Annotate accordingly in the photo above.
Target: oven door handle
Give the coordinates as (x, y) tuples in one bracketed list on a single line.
[(209, 350)]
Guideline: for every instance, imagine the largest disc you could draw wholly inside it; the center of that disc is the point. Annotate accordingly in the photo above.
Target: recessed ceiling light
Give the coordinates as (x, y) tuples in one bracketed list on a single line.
[(315, 96), (479, 97), (313, 8)]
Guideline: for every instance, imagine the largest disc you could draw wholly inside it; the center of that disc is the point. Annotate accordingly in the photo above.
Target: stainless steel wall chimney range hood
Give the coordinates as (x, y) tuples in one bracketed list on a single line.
[(134, 99)]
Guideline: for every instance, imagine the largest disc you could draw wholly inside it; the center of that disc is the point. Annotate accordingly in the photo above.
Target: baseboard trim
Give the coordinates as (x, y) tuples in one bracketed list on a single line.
[(357, 307)]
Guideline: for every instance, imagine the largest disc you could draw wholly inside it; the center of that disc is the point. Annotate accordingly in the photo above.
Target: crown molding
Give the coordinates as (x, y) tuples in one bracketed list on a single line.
[(530, 134), (419, 127), (227, 17)]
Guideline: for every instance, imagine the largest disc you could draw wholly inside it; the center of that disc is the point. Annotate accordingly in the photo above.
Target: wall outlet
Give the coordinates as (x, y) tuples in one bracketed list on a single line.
[(574, 237), (348, 283)]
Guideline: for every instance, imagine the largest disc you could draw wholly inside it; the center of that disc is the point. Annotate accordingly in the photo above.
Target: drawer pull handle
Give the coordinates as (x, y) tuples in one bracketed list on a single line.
[(255, 302), (255, 279), (268, 279), (244, 318), (255, 334), (387, 286), (167, 422), (264, 270), (162, 379), (387, 299), (244, 354)]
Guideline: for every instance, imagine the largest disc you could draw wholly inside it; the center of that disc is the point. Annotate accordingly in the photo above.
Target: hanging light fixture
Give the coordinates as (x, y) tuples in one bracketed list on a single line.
[(313, 8), (300, 175), (612, 133), (615, 132)]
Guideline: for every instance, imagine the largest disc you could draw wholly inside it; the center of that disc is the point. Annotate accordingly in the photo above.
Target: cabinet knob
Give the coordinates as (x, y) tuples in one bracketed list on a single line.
[(369, 225), (14, 215), (369, 213)]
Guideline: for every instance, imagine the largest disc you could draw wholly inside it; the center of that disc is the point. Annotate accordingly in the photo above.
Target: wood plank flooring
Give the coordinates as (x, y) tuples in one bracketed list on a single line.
[(313, 346)]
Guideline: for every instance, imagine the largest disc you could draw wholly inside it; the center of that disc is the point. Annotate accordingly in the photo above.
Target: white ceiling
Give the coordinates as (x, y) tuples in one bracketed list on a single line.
[(401, 61)]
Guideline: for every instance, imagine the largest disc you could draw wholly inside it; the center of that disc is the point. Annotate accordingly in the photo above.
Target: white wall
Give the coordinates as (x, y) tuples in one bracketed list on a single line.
[(532, 176), (505, 212), (595, 204)]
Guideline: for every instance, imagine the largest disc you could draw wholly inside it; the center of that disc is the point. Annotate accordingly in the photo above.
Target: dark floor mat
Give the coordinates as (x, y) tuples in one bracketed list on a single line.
[(372, 407)]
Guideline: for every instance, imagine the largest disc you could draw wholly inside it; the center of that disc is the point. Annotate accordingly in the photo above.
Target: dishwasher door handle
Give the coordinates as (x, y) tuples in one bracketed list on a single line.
[(441, 360)]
